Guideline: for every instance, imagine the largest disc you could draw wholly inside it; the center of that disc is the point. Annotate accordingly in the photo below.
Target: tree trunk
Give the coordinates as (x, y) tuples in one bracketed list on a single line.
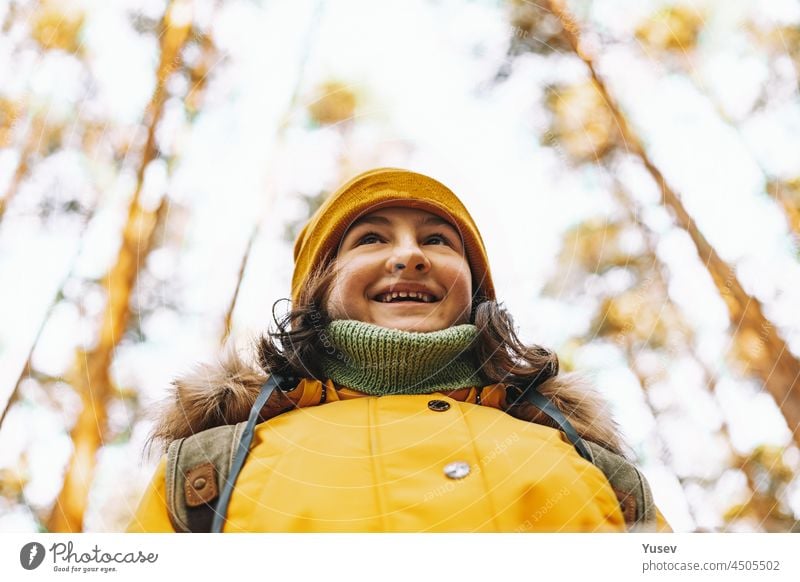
[(710, 379), (774, 364), (91, 370)]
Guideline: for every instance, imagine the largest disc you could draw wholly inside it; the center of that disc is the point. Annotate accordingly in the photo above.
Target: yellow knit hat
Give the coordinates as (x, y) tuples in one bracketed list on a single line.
[(375, 189)]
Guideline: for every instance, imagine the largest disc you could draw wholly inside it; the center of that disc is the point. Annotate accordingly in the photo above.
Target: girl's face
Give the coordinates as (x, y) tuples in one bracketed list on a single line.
[(402, 268)]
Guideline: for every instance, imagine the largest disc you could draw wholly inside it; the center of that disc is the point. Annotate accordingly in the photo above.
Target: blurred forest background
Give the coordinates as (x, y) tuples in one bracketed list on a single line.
[(634, 166)]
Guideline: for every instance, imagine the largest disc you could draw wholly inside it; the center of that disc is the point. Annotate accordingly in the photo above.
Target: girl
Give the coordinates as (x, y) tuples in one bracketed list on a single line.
[(394, 396)]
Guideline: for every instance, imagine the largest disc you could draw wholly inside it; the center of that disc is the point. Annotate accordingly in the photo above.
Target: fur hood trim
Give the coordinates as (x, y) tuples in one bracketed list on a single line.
[(223, 393)]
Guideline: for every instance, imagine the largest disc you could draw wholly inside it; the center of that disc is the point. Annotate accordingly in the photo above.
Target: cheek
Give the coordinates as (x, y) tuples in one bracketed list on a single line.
[(349, 285), (459, 281)]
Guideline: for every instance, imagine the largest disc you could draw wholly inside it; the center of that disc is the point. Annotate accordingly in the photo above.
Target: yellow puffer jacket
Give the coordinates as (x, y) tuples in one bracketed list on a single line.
[(410, 463)]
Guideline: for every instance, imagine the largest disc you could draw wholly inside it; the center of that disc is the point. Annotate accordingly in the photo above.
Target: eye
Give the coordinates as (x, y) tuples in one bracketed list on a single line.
[(440, 237), (368, 239)]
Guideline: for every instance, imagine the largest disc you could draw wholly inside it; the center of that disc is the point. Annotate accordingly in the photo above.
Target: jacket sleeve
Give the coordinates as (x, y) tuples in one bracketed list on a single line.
[(152, 516)]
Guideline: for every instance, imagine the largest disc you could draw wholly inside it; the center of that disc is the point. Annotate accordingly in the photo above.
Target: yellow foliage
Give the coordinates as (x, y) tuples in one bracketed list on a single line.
[(643, 315), (567, 353), (55, 29), (13, 481), (737, 511), (536, 29), (749, 351), (779, 40), (675, 28), (333, 103), (769, 458), (10, 112), (616, 316), (786, 189), (768, 475), (582, 123), (595, 246)]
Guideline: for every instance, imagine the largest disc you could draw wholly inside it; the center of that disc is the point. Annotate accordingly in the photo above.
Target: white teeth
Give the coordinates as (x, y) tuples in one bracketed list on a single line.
[(388, 297)]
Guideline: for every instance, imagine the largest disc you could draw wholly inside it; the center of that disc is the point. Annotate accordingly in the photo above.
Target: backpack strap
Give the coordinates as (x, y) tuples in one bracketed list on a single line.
[(197, 468), (202, 469), (532, 396), (629, 485), (242, 449)]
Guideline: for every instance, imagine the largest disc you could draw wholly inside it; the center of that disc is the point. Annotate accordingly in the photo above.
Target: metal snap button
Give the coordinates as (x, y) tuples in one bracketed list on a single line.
[(199, 483), (438, 405), (456, 470)]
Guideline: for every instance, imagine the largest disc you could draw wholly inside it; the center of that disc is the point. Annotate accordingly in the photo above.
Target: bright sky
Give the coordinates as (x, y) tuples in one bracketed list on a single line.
[(418, 68)]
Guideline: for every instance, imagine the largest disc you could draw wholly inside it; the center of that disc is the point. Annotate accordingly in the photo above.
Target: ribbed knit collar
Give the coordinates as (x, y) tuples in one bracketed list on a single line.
[(379, 360)]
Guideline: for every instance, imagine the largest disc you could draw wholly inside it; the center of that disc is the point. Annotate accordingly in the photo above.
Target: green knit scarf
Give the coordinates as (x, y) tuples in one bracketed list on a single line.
[(380, 360)]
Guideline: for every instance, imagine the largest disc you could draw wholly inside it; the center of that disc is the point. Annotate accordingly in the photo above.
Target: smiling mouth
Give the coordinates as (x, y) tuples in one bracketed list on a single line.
[(405, 297)]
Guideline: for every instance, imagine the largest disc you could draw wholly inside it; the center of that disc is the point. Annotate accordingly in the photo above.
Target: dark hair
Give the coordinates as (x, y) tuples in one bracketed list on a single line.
[(295, 349), (297, 345)]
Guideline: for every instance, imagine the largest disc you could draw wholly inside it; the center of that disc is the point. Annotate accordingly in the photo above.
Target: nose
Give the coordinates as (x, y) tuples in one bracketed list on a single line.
[(407, 255)]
